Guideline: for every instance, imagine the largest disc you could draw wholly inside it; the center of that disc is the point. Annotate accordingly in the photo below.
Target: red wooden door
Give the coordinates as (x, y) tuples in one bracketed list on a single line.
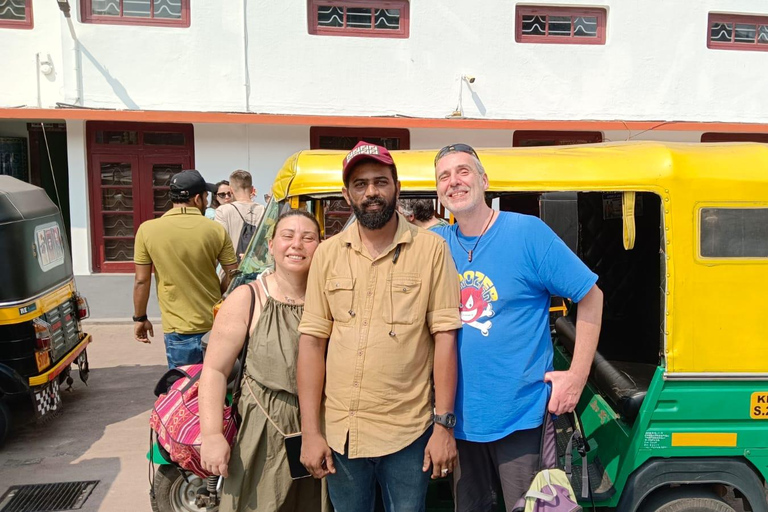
[(127, 190), (130, 169)]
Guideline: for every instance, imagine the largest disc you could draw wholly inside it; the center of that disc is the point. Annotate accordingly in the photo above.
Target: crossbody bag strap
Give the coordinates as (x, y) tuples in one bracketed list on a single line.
[(243, 352), (248, 385)]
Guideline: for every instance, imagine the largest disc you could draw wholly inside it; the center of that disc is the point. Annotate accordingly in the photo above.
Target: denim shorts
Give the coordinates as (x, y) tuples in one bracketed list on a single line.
[(181, 349)]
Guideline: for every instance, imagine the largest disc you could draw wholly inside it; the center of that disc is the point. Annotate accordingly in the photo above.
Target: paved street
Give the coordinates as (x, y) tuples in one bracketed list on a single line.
[(103, 431)]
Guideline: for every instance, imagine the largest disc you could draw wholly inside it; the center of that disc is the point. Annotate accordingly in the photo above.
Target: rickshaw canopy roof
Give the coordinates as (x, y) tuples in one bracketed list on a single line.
[(604, 167), (22, 201)]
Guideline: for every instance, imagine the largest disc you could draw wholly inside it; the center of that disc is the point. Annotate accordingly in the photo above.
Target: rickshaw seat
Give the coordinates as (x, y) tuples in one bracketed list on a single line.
[(623, 383)]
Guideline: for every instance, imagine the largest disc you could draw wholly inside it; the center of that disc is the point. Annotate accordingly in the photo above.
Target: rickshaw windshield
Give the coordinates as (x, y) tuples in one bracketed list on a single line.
[(257, 258)]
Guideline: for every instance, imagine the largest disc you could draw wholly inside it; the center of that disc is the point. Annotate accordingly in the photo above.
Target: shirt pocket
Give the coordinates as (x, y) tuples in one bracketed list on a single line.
[(340, 292), (401, 301)]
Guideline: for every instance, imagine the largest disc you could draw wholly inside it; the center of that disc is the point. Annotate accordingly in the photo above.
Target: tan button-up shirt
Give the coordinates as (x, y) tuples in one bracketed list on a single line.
[(378, 387)]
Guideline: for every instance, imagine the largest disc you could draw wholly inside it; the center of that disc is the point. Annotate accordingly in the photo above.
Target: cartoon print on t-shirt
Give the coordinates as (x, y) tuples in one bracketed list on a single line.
[(477, 294)]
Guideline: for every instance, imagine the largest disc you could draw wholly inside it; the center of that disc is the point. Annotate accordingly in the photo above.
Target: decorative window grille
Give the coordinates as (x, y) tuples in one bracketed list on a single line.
[(173, 13), (360, 19), (737, 32), (560, 25), (16, 14)]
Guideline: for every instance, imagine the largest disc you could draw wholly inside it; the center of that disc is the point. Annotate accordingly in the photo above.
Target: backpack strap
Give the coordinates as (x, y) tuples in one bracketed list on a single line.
[(243, 352), (237, 210)]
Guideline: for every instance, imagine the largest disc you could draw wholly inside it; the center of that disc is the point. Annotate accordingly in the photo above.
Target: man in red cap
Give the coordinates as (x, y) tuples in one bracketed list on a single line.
[(382, 298)]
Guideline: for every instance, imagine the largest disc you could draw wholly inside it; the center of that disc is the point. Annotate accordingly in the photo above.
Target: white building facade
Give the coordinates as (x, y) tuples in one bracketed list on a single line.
[(122, 93)]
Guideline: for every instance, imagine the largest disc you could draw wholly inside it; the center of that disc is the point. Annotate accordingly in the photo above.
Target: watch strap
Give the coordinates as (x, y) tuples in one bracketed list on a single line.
[(141, 318)]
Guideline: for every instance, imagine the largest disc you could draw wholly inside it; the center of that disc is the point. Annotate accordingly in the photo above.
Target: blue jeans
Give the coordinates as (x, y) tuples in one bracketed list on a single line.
[(181, 349), (403, 483)]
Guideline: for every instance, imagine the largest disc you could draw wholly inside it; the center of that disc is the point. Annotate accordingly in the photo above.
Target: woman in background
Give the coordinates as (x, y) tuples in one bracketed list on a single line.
[(222, 196)]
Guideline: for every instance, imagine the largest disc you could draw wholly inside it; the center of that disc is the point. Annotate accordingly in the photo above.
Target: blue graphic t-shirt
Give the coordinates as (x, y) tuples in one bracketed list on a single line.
[(504, 346)]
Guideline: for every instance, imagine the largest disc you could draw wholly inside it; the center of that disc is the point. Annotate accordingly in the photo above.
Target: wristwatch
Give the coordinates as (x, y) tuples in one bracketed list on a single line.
[(448, 420), (142, 318)]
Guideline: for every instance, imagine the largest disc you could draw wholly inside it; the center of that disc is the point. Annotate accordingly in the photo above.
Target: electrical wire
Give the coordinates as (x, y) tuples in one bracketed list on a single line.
[(50, 164)]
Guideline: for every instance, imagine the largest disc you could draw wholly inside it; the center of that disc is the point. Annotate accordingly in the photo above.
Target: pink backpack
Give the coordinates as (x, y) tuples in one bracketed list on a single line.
[(175, 418)]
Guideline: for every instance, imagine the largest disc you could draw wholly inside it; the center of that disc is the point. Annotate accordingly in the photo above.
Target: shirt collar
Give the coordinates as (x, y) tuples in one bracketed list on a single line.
[(182, 210), (403, 235)]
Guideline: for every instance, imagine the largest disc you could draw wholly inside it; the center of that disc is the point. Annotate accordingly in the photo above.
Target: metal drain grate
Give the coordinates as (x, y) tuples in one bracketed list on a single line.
[(46, 497)]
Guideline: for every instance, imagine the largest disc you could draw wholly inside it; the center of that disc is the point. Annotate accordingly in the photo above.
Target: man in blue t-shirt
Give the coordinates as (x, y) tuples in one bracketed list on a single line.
[(510, 265)]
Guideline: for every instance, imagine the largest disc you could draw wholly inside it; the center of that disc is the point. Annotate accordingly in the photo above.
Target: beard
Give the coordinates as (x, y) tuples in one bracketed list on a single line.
[(375, 219)]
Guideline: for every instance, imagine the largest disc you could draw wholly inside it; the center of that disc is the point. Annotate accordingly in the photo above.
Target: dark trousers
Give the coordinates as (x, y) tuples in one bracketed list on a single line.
[(489, 470)]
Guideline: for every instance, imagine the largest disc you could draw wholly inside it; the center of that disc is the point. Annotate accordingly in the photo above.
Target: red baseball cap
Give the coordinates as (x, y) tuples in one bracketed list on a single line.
[(365, 151)]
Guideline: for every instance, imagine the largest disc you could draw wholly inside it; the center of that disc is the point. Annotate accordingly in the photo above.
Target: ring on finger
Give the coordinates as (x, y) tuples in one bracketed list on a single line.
[(444, 471)]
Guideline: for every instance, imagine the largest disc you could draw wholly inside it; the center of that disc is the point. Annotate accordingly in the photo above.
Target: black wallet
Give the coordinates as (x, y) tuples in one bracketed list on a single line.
[(293, 449)]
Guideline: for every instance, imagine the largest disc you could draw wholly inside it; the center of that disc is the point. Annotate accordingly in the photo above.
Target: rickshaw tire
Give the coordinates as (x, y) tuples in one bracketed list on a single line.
[(165, 486), (682, 499), (5, 421)]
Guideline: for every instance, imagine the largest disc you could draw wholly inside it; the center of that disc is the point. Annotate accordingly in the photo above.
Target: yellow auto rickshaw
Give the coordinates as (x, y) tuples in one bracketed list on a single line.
[(675, 412), (40, 310)]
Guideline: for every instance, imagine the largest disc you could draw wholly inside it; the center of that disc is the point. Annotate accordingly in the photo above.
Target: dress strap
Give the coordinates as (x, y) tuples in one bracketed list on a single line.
[(263, 282)]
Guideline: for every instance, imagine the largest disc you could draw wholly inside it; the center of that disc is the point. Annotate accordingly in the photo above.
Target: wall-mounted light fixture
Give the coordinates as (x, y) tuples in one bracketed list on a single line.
[(459, 110), (46, 67)]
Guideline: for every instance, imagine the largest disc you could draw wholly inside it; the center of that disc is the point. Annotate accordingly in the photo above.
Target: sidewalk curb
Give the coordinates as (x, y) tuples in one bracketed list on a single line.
[(114, 321)]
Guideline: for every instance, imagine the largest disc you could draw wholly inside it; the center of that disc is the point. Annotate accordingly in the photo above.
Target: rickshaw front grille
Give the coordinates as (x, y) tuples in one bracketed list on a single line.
[(64, 334)]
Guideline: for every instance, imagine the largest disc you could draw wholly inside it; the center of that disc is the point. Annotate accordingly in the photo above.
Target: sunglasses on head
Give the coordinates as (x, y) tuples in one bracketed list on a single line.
[(223, 194), (455, 148)]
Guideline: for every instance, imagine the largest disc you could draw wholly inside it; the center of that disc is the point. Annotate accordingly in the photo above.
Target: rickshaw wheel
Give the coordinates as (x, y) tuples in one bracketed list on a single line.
[(680, 499), (174, 492), (5, 421)]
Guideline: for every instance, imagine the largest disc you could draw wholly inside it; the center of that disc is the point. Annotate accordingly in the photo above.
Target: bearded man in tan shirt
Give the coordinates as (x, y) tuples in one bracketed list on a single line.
[(383, 299)]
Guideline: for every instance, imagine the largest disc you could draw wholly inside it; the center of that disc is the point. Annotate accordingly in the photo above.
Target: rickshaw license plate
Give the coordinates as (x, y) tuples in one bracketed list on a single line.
[(758, 408), (43, 360)]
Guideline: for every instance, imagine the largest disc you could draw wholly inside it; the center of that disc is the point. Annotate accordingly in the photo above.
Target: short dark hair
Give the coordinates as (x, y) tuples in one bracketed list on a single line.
[(178, 198), (392, 168), (422, 209), (214, 197), (293, 213)]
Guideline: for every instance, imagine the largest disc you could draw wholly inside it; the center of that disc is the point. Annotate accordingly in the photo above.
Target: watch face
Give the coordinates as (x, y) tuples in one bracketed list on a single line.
[(447, 420)]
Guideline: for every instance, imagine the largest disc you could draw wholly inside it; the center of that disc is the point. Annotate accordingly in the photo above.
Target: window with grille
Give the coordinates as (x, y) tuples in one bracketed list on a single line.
[(136, 12), (16, 14), (361, 19), (559, 25), (737, 32)]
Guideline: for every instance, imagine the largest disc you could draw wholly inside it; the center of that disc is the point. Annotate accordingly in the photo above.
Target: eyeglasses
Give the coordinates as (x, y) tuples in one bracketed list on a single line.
[(222, 195), (455, 148)]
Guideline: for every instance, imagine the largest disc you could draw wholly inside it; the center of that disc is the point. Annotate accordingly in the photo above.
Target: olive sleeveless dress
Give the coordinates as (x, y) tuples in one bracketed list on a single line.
[(259, 479)]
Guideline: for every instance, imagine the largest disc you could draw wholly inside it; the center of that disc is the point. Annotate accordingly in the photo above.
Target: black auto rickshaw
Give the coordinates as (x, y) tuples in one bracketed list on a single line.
[(40, 309)]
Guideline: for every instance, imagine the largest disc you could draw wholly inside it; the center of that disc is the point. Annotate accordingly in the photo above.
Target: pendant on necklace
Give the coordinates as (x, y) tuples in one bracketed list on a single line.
[(470, 255)]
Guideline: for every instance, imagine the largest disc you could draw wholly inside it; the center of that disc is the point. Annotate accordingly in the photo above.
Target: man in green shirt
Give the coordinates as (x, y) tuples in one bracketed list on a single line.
[(184, 247)]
